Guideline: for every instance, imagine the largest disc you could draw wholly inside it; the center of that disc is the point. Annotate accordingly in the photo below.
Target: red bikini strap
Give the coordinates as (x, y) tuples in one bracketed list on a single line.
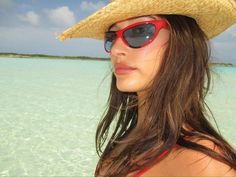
[(147, 168)]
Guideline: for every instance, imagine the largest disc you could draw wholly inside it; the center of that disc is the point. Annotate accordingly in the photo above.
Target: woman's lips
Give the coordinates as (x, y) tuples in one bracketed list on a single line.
[(123, 69)]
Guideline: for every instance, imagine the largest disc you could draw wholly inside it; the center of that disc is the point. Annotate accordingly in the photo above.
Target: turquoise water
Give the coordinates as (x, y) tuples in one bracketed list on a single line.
[(50, 110)]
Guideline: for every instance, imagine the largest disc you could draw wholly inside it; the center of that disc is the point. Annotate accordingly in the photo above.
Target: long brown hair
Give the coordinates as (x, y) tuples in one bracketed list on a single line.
[(175, 98)]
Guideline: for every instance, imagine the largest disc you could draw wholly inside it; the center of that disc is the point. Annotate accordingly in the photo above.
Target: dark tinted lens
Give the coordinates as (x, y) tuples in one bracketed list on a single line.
[(139, 35), (109, 40)]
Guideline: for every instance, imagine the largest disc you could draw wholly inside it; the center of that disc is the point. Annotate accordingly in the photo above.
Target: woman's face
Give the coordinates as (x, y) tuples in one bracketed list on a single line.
[(146, 60)]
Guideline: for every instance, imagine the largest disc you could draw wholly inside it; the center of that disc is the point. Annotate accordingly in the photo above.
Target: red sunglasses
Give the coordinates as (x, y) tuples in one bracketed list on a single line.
[(137, 35)]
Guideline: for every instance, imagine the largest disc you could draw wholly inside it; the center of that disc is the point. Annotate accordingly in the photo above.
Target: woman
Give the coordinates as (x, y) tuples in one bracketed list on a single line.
[(160, 78)]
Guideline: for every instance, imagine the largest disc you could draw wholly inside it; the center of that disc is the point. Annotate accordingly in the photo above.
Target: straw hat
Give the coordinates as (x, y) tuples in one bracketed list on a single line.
[(213, 16)]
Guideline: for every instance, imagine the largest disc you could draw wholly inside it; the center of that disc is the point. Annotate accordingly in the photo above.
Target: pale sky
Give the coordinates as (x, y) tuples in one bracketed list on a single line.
[(30, 26)]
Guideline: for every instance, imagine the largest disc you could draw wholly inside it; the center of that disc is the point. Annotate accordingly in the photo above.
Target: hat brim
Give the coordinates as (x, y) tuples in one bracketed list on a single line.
[(213, 16)]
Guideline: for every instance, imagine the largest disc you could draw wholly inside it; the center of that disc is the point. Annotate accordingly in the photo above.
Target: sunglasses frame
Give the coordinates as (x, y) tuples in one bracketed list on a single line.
[(159, 24)]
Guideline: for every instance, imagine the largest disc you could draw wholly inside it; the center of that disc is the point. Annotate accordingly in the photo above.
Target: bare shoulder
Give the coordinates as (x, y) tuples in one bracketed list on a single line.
[(187, 162)]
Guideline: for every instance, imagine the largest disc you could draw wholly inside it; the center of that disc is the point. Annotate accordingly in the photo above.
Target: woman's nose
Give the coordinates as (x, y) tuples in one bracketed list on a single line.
[(119, 47)]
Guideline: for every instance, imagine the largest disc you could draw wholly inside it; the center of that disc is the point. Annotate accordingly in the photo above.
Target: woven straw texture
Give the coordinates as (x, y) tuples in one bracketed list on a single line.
[(213, 16)]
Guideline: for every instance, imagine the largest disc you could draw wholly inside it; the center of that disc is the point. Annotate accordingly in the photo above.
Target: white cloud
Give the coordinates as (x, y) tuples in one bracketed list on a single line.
[(61, 16), (30, 17), (90, 6)]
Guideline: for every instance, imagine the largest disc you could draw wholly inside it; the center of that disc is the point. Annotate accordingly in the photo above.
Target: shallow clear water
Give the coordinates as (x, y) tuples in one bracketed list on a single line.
[(50, 110)]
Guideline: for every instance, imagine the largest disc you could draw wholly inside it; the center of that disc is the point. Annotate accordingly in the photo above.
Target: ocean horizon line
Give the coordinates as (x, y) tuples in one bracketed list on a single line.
[(37, 55), (46, 56)]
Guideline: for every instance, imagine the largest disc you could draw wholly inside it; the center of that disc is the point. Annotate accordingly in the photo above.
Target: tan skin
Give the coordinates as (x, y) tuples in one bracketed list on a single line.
[(181, 161)]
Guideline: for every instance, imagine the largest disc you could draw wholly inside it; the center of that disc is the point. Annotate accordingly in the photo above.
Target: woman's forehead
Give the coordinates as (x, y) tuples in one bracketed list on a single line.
[(116, 26)]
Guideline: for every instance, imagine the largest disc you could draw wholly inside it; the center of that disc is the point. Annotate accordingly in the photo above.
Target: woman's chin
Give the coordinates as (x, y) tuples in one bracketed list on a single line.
[(126, 89)]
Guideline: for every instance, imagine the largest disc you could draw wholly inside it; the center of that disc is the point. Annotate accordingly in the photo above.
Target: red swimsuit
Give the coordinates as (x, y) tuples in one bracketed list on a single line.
[(175, 146), (142, 171)]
